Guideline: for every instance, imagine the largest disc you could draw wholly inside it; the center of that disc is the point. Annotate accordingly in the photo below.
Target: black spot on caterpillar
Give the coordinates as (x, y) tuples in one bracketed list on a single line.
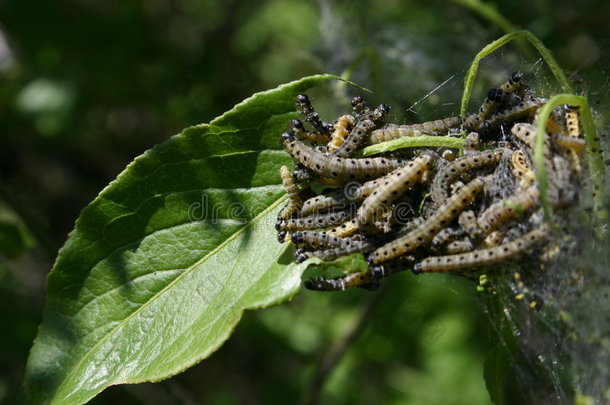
[(392, 131), (572, 122), (338, 168), (303, 103), (391, 189), (482, 257), (466, 163), (471, 144), (433, 225)]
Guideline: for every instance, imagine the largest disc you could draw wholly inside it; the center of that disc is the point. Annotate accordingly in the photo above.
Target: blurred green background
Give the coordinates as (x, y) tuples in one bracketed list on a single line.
[(87, 85)]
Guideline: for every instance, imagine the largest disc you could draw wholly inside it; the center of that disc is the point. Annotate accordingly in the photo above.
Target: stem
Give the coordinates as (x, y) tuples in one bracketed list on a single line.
[(594, 155), (422, 141), (498, 43)]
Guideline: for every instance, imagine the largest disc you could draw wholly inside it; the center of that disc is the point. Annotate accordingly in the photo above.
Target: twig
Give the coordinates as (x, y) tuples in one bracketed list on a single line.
[(334, 355)]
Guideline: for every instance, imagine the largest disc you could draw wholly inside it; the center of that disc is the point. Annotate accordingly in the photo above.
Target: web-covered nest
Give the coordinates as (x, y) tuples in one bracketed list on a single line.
[(432, 209)]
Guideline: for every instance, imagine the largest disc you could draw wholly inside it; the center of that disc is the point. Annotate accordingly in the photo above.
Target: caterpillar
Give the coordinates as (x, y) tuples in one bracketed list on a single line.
[(393, 131), (561, 192), (340, 132), (350, 192), (314, 221), (343, 230), (447, 235), (459, 246), (331, 200), (471, 145), (441, 182), (576, 145), (294, 200), (433, 225), (521, 169), (468, 222), (338, 168), (363, 246), (363, 279), (504, 210), (493, 239), (481, 257), (359, 132), (354, 139), (523, 109), (526, 133), (495, 98), (303, 103), (572, 122), (359, 107), (517, 85), (317, 138), (316, 240), (391, 189)]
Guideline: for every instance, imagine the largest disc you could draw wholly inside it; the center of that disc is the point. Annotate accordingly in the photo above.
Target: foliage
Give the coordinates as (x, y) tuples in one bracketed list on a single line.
[(124, 75)]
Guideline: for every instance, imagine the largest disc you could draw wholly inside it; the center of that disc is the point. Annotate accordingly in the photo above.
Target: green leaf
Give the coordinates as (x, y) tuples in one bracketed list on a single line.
[(162, 264)]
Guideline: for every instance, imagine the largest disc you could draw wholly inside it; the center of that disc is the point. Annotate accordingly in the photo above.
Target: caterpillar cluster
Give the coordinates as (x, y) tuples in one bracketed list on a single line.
[(422, 208)]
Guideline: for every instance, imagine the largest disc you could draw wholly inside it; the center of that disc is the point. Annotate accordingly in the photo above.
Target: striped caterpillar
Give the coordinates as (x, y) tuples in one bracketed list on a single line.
[(335, 252), (481, 257), (447, 235), (502, 211), (314, 221), (433, 225), (361, 130), (391, 189), (442, 180), (351, 192), (336, 167), (519, 111), (303, 103)]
